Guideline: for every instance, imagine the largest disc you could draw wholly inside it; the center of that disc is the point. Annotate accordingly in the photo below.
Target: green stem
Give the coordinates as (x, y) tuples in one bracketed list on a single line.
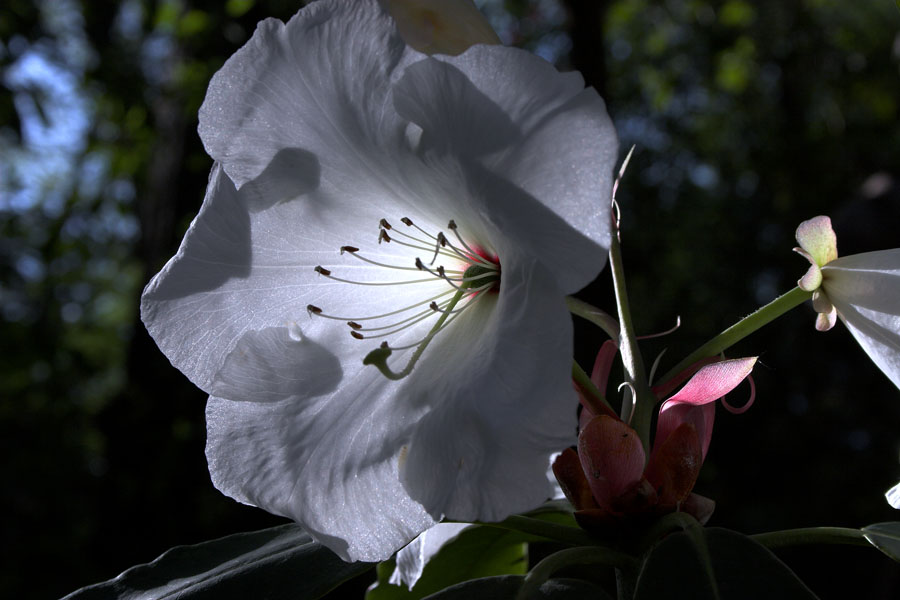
[(812, 535), (545, 529), (598, 317), (592, 394), (557, 561), (631, 357), (742, 329)]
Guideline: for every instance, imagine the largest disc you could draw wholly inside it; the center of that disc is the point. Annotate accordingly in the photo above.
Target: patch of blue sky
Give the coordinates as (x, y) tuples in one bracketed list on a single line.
[(55, 116)]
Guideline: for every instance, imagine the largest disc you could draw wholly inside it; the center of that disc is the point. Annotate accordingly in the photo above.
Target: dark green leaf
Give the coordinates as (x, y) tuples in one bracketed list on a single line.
[(505, 588), (885, 537), (714, 564), (479, 551), (278, 563)]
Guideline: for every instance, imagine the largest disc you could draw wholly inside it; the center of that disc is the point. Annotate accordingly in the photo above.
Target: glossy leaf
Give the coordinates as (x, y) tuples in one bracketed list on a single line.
[(885, 537), (506, 587), (479, 551), (714, 564), (278, 563)]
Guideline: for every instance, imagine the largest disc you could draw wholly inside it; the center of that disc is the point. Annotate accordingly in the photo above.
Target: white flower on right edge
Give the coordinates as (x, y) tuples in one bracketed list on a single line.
[(863, 290)]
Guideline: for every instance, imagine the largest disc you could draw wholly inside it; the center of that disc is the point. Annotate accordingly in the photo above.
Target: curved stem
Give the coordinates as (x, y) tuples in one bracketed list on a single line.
[(545, 569), (545, 529), (645, 400), (812, 535), (742, 329), (592, 395), (598, 317)]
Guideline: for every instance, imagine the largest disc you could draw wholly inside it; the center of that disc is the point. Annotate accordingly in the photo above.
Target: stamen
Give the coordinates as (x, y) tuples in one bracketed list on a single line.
[(472, 254), (353, 252), (425, 245), (467, 286), (413, 319), (438, 273), (477, 296), (326, 273), (315, 310), (408, 323)]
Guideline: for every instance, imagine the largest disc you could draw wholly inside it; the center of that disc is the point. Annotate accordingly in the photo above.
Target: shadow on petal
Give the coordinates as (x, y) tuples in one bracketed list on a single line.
[(274, 364), (439, 98), (291, 173)]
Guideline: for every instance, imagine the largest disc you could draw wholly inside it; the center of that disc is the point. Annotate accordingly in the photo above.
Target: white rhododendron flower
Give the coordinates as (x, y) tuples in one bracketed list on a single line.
[(862, 289), (428, 214)]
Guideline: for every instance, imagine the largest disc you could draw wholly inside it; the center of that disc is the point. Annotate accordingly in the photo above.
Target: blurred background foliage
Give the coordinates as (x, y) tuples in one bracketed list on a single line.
[(747, 117)]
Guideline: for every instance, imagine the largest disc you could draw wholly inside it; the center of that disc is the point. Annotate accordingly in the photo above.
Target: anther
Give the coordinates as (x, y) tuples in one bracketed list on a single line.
[(419, 264), (358, 336), (313, 310), (442, 239), (349, 249), (354, 325), (434, 306), (407, 221), (451, 225), (383, 237), (384, 223), (322, 271)]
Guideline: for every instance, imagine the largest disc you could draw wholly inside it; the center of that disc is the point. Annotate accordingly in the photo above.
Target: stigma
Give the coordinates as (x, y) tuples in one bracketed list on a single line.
[(468, 273)]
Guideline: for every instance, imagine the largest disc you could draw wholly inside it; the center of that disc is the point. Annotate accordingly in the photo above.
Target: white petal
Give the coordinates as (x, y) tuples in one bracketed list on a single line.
[(501, 402), (303, 120), (539, 133), (330, 464), (246, 265), (277, 363), (893, 496), (319, 82), (865, 290), (412, 559)]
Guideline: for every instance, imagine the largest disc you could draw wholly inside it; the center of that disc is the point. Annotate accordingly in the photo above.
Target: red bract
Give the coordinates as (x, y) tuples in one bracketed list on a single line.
[(610, 480)]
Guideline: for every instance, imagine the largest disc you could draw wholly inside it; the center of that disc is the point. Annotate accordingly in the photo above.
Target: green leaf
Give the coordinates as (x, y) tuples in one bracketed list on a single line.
[(713, 564), (278, 563), (506, 587), (479, 551), (885, 537)]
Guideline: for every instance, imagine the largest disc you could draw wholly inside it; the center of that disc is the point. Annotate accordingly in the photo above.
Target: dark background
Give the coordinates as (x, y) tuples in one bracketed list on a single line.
[(748, 118)]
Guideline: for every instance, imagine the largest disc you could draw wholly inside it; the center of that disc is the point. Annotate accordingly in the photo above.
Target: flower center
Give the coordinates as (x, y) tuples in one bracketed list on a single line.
[(473, 274)]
